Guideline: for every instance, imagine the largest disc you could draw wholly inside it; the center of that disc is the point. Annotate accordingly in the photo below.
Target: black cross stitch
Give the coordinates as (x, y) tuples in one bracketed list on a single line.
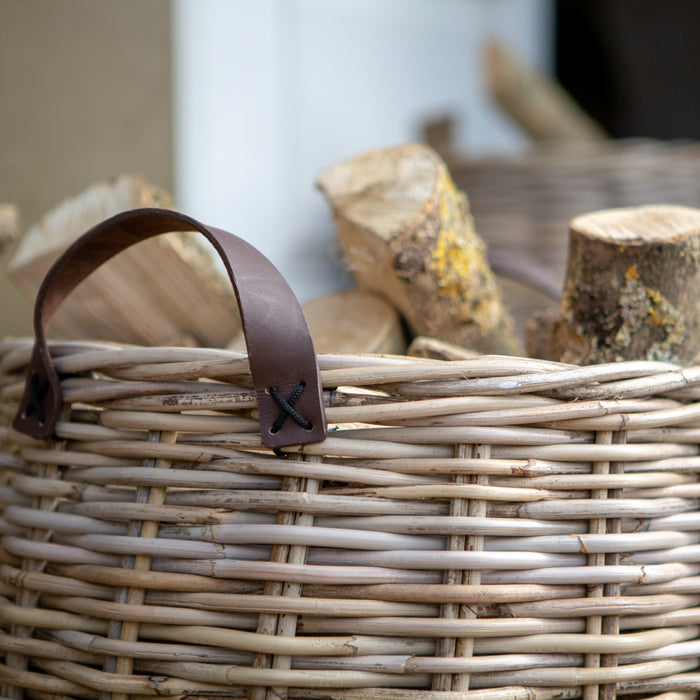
[(287, 406)]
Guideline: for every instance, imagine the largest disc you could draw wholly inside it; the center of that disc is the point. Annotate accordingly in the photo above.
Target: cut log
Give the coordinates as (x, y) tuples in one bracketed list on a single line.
[(9, 224), (356, 322), (167, 290), (539, 105), (435, 349), (351, 321), (632, 290), (406, 233)]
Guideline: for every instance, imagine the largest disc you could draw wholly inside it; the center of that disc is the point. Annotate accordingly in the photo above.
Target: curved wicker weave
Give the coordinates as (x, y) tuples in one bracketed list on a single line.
[(494, 528)]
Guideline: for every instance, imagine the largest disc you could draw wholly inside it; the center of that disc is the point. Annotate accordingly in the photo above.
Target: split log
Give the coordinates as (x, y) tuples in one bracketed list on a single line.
[(168, 290), (9, 224), (434, 349), (406, 233), (539, 105), (632, 290), (351, 321)]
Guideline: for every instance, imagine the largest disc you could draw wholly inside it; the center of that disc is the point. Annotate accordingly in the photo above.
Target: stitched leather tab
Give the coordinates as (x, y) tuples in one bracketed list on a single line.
[(280, 349)]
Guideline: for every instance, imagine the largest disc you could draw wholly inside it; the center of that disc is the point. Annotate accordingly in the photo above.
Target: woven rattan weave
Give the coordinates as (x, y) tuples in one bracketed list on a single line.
[(497, 528)]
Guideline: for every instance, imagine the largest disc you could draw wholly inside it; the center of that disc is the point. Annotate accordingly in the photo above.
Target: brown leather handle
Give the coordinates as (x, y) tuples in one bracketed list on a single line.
[(281, 352)]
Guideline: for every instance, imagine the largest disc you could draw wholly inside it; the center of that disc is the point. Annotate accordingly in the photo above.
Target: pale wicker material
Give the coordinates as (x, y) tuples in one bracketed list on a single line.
[(496, 528)]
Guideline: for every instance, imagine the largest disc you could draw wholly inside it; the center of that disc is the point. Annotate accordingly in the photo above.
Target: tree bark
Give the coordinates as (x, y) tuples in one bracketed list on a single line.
[(632, 289), (406, 233)]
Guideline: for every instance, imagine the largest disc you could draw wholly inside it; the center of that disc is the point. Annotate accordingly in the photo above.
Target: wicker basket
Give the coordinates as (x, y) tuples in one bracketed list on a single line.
[(524, 203), (497, 528)]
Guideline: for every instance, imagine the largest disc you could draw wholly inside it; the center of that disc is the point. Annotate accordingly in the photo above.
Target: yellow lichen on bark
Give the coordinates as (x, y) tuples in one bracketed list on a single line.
[(641, 305), (401, 206), (631, 289), (459, 260)]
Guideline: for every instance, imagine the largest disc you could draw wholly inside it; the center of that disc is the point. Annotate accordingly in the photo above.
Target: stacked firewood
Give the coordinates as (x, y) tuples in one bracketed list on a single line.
[(423, 275), (407, 234)]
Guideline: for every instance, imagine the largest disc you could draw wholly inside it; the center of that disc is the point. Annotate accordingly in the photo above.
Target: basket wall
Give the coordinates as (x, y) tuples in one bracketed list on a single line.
[(494, 528)]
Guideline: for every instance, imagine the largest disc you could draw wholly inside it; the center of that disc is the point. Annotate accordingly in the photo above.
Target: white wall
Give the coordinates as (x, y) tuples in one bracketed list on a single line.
[(269, 92)]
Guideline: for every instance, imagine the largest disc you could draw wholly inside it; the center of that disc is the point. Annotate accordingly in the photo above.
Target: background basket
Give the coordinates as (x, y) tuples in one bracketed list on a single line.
[(525, 202), (522, 204), (492, 528)]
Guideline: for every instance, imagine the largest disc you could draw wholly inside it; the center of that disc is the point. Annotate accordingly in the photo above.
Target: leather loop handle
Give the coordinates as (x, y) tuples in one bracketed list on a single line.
[(280, 350)]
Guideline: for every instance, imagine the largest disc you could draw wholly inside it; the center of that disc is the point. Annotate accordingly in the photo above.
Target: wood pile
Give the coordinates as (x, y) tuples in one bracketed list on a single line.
[(166, 291), (407, 235), (424, 279)]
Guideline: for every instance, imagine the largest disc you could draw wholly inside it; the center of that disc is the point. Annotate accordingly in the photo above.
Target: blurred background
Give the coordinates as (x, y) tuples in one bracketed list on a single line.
[(235, 106)]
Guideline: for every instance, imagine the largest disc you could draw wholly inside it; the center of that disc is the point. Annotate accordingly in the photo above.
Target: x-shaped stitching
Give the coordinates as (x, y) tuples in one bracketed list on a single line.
[(287, 408)]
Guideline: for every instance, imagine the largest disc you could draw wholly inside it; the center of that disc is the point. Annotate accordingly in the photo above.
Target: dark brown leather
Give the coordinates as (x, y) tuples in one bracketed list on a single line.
[(280, 348)]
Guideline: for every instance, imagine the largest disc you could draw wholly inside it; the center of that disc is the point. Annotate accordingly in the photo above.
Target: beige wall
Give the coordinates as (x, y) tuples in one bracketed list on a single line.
[(85, 94)]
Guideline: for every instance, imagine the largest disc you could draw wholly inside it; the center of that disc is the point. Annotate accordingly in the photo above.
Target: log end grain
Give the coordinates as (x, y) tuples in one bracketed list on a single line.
[(350, 321)]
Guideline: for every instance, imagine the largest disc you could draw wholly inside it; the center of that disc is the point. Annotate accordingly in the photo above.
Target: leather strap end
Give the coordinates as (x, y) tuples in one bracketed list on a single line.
[(40, 405)]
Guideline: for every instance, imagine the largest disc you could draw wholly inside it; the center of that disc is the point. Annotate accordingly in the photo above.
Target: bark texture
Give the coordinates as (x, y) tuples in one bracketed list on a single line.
[(406, 233), (632, 289)]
